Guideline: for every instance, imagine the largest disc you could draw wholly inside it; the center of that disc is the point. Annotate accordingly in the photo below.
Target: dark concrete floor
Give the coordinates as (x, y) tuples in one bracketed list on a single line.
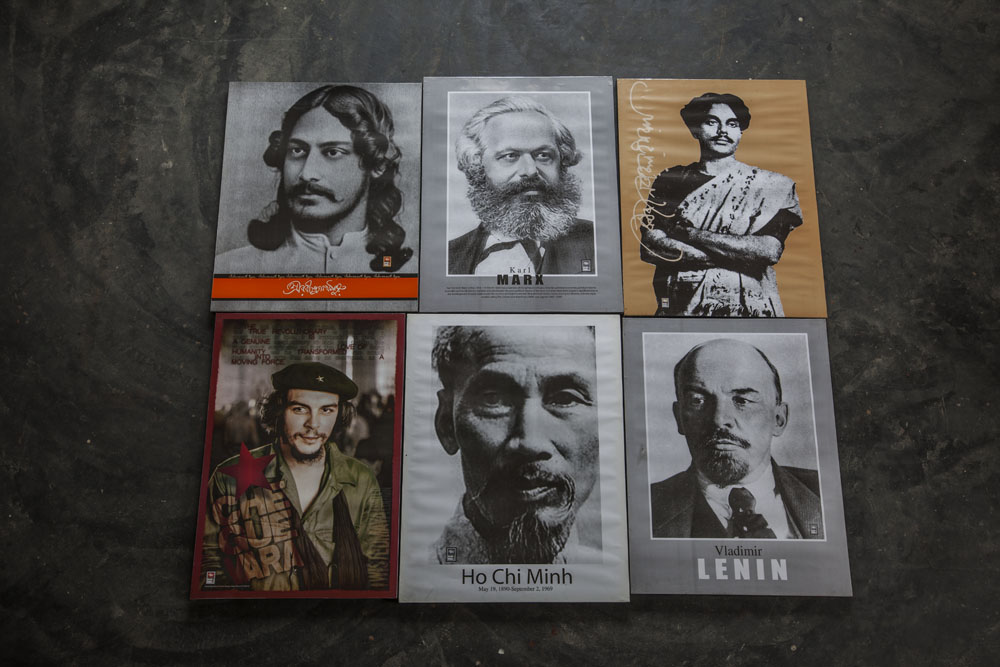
[(112, 143)]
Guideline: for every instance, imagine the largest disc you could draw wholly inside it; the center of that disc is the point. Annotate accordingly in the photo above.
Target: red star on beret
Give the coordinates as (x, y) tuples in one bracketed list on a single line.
[(249, 471)]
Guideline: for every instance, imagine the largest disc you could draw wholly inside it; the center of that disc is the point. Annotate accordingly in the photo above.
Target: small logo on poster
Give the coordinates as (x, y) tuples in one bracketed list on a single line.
[(386, 261), (210, 577), (813, 529), (664, 302), (585, 266), (450, 554)]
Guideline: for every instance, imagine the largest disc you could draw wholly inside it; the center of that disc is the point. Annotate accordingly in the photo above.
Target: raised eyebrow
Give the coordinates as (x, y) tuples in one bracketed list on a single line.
[(336, 144), (745, 390)]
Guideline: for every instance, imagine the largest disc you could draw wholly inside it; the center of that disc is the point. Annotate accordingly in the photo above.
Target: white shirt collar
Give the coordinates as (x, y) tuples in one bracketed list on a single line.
[(764, 490)]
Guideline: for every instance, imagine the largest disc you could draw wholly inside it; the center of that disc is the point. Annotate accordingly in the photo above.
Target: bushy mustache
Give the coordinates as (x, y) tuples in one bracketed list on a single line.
[(518, 532), (308, 188), (535, 182), (544, 217), (720, 435), (504, 484)]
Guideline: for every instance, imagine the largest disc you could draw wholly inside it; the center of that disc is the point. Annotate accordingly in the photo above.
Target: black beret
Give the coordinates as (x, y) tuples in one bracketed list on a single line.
[(315, 376)]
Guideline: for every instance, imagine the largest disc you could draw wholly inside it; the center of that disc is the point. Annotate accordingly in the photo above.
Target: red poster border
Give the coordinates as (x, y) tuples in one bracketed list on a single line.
[(391, 592)]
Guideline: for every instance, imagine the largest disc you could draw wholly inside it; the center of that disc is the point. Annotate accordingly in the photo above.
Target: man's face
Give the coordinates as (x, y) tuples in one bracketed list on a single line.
[(719, 134), (520, 145), (520, 190), (727, 409), (322, 176), (524, 415), (308, 422)]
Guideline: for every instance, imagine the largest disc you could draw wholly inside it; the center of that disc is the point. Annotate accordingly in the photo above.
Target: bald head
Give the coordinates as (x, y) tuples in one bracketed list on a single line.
[(722, 351), (728, 409)]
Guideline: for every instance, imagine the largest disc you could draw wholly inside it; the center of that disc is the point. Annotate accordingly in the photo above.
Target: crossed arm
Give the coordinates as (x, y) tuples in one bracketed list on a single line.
[(703, 249)]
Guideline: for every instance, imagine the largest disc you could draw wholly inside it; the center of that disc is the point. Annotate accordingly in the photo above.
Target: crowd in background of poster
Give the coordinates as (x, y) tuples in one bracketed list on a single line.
[(509, 195), (301, 468)]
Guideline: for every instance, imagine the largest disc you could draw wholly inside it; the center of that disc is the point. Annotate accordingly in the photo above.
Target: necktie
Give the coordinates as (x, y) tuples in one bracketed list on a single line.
[(530, 247), (745, 522)]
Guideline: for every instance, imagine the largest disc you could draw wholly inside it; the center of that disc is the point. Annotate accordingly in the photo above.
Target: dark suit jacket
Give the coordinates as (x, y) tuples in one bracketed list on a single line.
[(680, 510), (564, 255)]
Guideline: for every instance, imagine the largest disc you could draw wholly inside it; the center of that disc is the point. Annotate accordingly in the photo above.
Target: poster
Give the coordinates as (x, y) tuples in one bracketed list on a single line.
[(520, 206), (299, 494), (320, 200), (733, 475), (718, 199), (513, 469)]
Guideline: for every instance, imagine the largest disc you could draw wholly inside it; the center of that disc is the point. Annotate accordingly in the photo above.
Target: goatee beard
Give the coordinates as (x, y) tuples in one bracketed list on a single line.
[(546, 216), (303, 457), (723, 468), (516, 533)]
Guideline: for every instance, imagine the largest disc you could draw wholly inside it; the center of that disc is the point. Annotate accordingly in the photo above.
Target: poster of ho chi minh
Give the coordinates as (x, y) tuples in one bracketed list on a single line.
[(514, 486), (718, 199), (520, 205), (733, 475), (319, 207), (300, 489)]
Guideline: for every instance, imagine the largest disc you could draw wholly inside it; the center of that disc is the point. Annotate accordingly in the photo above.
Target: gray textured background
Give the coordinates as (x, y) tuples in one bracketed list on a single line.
[(112, 127)]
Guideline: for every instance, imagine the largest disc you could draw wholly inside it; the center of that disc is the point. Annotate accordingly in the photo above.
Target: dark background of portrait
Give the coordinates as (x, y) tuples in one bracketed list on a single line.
[(253, 112), (112, 132)]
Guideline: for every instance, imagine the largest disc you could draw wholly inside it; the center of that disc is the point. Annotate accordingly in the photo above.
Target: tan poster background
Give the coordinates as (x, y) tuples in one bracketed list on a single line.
[(652, 137)]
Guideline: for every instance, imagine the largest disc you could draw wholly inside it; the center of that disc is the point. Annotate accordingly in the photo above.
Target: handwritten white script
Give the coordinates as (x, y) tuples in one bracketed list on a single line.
[(642, 211)]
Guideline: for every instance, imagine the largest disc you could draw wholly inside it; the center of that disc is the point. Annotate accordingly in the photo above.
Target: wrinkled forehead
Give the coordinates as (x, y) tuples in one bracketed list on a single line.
[(539, 350), (725, 367), (518, 129)]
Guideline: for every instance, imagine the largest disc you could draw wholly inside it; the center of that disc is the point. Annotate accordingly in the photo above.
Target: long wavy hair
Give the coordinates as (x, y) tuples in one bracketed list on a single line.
[(371, 127)]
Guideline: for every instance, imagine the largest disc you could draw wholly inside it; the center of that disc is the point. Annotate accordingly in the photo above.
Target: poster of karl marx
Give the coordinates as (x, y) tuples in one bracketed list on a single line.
[(513, 189), (719, 213), (738, 451), (320, 198), (512, 474), (518, 160), (299, 494)]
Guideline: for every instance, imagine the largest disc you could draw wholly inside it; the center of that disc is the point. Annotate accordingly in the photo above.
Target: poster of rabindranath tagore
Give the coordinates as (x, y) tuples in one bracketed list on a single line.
[(718, 199)]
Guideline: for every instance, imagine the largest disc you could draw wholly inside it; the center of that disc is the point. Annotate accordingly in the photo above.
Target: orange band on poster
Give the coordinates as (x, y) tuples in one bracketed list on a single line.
[(314, 288)]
